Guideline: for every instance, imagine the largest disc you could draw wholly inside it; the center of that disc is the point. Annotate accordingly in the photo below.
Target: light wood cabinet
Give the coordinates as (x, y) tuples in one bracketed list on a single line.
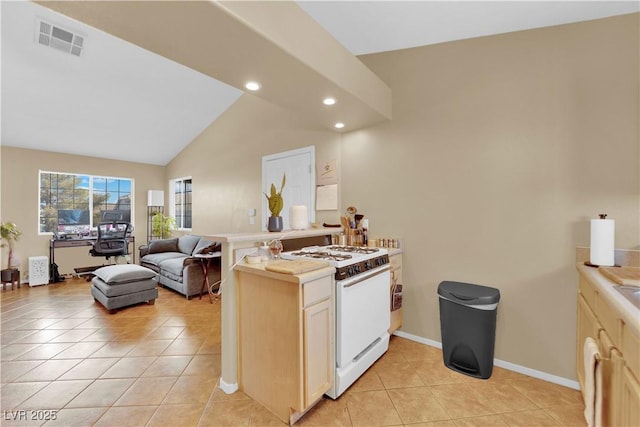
[(396, 277), (588, 326), (286, 338), (318, 353), (629, 399), (618, 347)]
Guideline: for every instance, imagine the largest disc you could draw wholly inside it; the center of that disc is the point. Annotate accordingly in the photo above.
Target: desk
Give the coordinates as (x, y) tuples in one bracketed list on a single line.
[(88, 241), (205, 260)]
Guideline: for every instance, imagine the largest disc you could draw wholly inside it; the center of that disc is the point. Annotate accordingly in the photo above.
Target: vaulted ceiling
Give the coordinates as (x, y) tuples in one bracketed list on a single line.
[(153, 75)]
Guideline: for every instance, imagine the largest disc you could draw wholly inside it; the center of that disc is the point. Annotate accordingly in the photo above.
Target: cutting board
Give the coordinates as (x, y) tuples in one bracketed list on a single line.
[(297, 266), (622, 275)]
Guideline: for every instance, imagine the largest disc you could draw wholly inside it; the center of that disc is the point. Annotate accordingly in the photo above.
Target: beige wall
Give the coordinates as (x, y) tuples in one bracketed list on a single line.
[(20, 198), (225, 162), (500, 150)]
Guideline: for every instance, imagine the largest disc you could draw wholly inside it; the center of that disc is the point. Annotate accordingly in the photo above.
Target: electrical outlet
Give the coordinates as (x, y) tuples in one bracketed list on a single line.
[(252, 220)]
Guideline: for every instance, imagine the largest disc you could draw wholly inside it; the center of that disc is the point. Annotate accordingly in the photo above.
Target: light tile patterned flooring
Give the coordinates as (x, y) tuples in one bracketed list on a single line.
[(159, 366)]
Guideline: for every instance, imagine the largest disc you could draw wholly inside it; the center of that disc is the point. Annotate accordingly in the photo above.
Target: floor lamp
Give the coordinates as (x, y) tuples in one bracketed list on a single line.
[(155, 204)]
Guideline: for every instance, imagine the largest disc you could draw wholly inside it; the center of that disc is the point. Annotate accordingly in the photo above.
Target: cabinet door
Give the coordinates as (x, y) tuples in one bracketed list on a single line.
[(629, 411), (396, 278), (588, 326), (396, 267), (318, 351)]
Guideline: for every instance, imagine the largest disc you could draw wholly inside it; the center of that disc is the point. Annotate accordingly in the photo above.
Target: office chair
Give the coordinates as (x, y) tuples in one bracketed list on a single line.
[(112, 239)]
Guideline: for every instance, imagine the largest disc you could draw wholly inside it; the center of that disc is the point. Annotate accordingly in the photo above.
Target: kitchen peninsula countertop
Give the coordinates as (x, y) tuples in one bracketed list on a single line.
[(266, 235), (629, 313)]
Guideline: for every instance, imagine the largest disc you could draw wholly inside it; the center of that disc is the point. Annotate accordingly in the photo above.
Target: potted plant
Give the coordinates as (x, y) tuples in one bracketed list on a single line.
[(9, 232), (162, 225), (275, 206)]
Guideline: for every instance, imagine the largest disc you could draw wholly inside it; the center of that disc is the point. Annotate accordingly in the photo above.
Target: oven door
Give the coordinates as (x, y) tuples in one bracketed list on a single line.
[(362, 314)]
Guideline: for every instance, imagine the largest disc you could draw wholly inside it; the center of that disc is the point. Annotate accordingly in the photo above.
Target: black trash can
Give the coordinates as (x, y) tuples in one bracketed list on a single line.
[(468, 327)]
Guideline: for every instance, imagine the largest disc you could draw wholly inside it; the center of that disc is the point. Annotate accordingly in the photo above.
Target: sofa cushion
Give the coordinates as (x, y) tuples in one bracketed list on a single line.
[(123, 273), (164, 245), (187, 243), (205, 246), (172, 268), (157, 259)]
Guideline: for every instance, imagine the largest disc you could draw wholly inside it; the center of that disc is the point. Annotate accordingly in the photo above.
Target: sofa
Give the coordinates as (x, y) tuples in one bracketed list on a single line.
[(173, 259)]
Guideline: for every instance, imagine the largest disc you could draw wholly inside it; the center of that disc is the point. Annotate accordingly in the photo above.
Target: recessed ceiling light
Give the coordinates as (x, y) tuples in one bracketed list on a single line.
[(339, 125), (252, 86), (329, 101)]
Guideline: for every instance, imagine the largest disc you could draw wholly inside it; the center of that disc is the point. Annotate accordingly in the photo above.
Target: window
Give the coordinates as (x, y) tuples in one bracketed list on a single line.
[(181, 202), (74, 203)]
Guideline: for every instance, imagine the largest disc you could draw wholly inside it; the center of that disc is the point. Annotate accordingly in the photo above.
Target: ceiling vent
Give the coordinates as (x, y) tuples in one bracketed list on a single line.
[(58, 38)]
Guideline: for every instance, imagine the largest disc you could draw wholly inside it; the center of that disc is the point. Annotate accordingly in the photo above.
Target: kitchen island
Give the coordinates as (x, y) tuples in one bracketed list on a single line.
[(231, 242), (286, 335)]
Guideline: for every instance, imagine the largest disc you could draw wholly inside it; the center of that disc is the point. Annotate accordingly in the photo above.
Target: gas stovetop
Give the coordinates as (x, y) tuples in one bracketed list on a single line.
[(348, 260)]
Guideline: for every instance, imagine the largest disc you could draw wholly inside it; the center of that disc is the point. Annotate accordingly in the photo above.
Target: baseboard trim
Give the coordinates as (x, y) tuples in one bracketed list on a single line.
[(501, 363), (228, 388)]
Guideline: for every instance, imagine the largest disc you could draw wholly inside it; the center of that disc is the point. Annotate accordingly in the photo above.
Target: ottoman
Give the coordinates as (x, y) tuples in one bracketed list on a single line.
[(117, 286)]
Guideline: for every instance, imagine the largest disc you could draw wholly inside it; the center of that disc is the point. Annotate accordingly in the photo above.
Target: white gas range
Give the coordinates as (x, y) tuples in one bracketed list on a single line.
[(362, 307)]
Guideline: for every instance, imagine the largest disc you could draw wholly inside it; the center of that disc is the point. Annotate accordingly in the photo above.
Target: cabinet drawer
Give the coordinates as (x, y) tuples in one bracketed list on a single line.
[(631, 350), (316, 290), (588, 292)]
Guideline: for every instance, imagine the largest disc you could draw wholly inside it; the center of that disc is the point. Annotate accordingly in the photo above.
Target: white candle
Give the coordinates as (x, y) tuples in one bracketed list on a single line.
[(298, 217)]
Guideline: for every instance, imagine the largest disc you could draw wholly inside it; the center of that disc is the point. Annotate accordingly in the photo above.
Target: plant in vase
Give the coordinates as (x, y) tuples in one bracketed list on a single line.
[(162, 225), (275, 206), (9, 232)]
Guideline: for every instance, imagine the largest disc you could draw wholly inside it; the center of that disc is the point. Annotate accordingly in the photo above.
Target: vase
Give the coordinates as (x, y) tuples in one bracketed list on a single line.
[(275, 223)]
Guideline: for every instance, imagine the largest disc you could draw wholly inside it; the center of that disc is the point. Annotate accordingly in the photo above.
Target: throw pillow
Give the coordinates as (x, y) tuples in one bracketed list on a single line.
[(164, 245), (187, 243)]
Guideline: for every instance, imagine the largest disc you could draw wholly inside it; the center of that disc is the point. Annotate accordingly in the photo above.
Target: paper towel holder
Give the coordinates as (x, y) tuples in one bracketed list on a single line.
[(588, 263)]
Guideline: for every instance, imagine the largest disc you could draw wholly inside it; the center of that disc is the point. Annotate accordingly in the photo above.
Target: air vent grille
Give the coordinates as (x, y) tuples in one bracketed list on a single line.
[(58, 38)]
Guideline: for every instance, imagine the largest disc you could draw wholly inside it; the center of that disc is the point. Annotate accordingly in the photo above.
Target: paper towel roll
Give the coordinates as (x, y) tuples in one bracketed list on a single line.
[(602, 242), (298, 217)]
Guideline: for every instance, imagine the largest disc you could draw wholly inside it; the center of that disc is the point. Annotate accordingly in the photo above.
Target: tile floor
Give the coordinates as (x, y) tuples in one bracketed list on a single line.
[(159, 366)]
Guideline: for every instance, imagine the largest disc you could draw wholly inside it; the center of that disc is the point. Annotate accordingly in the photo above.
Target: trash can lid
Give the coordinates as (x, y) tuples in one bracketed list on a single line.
[(468, 294)]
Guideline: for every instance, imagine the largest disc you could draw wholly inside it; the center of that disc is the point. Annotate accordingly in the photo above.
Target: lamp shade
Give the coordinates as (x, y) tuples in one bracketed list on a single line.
[(155, 198)]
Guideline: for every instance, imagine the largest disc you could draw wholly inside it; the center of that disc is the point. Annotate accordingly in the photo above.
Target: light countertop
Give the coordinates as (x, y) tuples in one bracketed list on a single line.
[(259, 269), (266, 235)]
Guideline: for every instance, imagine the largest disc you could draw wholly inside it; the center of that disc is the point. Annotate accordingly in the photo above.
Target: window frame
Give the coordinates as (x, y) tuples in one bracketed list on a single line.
[(91, 189), (180, 220)]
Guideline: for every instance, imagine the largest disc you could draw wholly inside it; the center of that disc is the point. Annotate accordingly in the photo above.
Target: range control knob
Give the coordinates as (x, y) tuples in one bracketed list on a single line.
[(367, 265)]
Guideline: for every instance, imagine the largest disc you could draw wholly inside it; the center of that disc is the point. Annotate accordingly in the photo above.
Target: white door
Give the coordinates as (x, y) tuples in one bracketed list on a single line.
[(299, 189)]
